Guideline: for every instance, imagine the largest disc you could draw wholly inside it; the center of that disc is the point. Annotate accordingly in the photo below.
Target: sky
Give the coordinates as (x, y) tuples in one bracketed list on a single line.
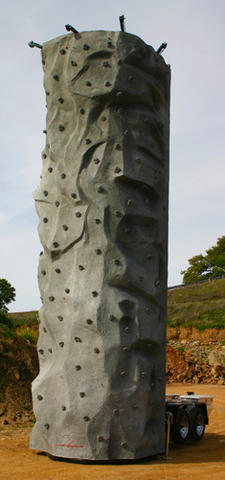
[(195, 33)]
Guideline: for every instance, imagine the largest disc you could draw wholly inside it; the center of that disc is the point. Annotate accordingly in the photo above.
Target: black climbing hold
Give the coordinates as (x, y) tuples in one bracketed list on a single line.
[(45, 219), (39, 397), (101, 189), (96, 350), (77, 339), (98, 251), (57, 270), (60, 99), (65, 227), (115, 411), (60, 318), (126, 330), (88, 141), (63, 175), (117, 262), (78, 214), (61, 344), (86, 419), (108, 84), (50, 350), (47, 426), (62, 51), (94, 293), (82, 394), (57, 204), (98, 221), (117, 170), (96, 160), (67, 290), (41, 351), (82, 111), (86, 46), (44, 155), (73, 195), (89, 321), (88, 83), (51, 299), (73, 63), (81, 267), (106, 64), (55, 244), (63, 408), (43, 272), (50, 169), (56, 77), (45, 131), (101, 439), (45, 193), (78, 367), (61, 128)]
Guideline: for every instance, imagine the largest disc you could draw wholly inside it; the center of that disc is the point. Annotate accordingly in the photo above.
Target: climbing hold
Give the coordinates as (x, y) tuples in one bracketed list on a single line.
[(61, 128), (45, 220), (73, 63), (89, 321), (67, 290), (96, 350), (55, 244), (77, 339), (62, 51), (63, 175), (81, 267), (57, 203), (51, 299), (60, 99), (43, 272), (61, 344), (94, 293), (57, 270), (50, 169), (56, 77), (82, 394), (65, 227), (60, 318), (86, 419), (117, 170), (78, 214), (39, 397), (98, 251), (45, 193), (78, 367), (73, 195)]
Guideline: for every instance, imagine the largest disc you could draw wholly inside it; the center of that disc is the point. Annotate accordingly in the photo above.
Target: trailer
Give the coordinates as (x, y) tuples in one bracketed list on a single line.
[(187, 416)]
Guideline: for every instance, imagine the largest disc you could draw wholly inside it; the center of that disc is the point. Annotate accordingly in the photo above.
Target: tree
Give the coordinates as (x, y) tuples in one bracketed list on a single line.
[(206, 266), (7, 294)]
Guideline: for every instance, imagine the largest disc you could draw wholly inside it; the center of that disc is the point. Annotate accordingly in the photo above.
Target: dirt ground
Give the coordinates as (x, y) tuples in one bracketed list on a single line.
[(204, 460)]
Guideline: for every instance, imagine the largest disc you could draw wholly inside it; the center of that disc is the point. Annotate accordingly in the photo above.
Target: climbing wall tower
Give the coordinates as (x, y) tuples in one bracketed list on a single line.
[(103, 208)]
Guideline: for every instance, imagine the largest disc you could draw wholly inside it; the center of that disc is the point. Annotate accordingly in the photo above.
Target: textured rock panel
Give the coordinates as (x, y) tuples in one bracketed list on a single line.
[(102, 204)]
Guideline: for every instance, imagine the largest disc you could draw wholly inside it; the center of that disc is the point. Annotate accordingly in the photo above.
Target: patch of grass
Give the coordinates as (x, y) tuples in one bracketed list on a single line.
[(28, 334), (200, 305), (23, 318)]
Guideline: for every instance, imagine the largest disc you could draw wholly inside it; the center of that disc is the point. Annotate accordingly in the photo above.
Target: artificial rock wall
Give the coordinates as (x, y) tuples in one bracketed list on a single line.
[(102, 204)]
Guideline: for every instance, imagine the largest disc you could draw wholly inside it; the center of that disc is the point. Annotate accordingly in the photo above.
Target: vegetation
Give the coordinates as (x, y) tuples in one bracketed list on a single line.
[(7, 294), (203, 267), (201, 306)]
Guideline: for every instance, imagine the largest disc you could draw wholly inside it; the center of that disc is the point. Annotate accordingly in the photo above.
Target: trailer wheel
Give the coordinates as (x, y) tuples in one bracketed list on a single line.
[(197, 424), (181, 428)]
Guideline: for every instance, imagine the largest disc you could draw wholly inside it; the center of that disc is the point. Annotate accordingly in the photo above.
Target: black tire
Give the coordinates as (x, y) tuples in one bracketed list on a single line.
[(180, 432), (197, 424)]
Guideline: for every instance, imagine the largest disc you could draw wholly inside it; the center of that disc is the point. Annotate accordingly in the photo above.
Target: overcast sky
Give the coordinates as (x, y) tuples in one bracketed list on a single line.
[(195, 33)]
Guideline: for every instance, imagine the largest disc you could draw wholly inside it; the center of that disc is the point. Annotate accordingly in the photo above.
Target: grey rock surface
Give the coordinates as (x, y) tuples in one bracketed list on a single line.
[(103, 209)]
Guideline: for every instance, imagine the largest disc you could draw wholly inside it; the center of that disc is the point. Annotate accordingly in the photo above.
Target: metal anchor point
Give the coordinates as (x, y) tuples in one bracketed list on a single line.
[(161, 48), (34, 44), (70, 28), (122, 23)]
